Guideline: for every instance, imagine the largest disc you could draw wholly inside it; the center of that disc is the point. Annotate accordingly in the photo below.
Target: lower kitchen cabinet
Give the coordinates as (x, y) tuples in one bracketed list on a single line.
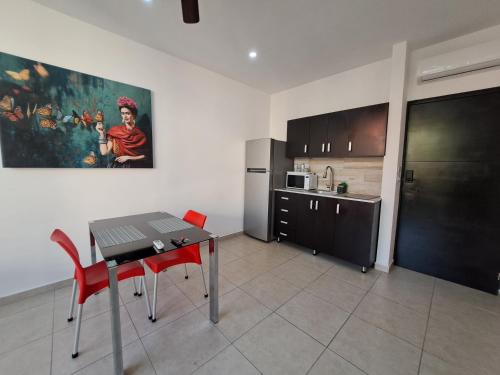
[(356, 231), (343, 228)]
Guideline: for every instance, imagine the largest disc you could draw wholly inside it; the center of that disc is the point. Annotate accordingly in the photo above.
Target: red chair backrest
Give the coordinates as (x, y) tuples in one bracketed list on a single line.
[(195, 218), (64, 241)]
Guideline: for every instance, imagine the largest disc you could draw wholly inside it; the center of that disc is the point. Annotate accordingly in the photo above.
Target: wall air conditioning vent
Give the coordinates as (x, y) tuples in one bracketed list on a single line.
[(478, 57)]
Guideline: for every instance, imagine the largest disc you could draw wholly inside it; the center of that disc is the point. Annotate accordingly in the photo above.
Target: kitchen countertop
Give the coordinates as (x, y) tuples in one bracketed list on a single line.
[(347, 196)]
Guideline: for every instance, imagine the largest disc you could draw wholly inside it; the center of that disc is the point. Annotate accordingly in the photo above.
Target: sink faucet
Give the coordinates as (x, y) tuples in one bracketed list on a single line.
[(330, 187)]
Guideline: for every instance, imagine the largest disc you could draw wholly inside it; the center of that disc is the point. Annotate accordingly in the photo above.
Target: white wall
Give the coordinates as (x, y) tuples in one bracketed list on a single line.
[(358, 87), (465, 82), (200, 123)]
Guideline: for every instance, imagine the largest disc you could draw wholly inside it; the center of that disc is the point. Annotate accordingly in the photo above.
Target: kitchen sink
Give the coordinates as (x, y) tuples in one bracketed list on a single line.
[(326, 192)]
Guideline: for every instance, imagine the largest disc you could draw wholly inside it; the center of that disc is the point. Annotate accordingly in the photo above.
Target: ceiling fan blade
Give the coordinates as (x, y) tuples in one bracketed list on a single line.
[(190, 12)]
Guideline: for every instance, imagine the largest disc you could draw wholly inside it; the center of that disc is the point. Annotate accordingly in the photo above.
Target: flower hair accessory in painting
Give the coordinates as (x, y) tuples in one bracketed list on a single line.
[(124, 101)]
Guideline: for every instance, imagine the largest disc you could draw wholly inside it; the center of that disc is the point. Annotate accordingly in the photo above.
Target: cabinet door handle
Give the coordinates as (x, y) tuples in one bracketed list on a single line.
[(350, 146), (283, 210), (338, 208), (322, 147), (311, 204), (316, 206), (285, 198), (283, 222), (305, 149), (283, 234), (328, 147)]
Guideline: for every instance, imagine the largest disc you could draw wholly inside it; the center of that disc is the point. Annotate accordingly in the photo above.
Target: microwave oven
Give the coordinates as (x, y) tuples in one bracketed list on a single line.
[(301, 180)]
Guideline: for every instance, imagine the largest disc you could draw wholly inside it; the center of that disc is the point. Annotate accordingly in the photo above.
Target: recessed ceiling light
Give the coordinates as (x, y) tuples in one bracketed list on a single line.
[(252, 54), (148, 1)]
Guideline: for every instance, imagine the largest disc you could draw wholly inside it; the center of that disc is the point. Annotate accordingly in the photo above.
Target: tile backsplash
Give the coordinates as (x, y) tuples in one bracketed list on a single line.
[(363, 175)]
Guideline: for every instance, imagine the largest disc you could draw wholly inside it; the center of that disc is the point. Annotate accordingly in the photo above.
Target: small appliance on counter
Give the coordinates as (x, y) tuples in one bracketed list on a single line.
[(301, 180)]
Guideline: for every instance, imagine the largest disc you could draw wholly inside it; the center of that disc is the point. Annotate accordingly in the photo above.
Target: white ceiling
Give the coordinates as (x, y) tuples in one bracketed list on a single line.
[(298, 41)]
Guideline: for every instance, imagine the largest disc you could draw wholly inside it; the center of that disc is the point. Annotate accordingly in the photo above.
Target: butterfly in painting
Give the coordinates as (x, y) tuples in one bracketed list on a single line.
[(40, 69), (48, 123), (14, 116), (99, 117), (46, 110), (23, 75), (90, 159), (7, 103)]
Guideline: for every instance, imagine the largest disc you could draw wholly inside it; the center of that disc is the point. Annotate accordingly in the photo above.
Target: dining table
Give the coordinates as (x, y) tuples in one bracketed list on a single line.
[(130, 238)]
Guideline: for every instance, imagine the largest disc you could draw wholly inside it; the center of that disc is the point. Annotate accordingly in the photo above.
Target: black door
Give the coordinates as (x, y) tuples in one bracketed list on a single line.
[(367, 130), (318, 135), (304, 232), (450, 196), (297, 138)]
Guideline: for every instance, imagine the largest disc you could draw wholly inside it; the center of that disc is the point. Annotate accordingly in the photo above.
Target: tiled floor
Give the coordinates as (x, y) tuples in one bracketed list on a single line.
[(282, 311)]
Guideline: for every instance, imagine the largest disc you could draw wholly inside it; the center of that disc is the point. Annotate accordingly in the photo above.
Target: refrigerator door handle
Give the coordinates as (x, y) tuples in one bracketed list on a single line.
[(311, 204), (322, 147), (328, 147), (257, 170), (316, 206)]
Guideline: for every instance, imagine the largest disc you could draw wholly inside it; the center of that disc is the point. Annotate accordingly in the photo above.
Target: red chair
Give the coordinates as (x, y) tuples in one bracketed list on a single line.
[(188, 254), (92, 279)]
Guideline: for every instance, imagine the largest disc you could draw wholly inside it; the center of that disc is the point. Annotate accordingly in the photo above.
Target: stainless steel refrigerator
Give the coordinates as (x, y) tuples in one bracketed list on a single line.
[(266, 165)]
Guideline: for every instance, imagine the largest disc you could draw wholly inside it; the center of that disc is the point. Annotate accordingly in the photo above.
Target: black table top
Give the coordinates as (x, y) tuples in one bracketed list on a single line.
[(142, 248)]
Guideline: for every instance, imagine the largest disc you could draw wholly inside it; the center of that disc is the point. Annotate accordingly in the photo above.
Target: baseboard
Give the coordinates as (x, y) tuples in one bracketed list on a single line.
[(231, 235), (32, 292), (383, 267)]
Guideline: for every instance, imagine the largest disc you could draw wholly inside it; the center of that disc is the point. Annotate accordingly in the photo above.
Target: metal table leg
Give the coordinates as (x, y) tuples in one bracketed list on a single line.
[(116, 334), (213, 252)]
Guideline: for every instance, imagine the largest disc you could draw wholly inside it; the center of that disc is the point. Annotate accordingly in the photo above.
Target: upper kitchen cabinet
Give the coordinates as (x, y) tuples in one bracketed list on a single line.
[(359, 132), (318, 134), (338, 132), (297, 138), (367, 130)]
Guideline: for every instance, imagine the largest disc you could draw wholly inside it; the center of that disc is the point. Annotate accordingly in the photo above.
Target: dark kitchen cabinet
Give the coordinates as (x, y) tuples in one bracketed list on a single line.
[(344, 228), (338, 133), (285, 215), (359, 132), (315, 222), (356, 231), (297, 138), (367, 130), (318, 135)]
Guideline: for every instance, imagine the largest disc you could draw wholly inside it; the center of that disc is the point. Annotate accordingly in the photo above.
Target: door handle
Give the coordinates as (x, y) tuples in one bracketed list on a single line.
[(311, 204), (316, 206), (285, 198), (349, 148), (283, 234), (322, 147), (283, 210), (338, 208), (283, 222), (305, 149), (328, 147)]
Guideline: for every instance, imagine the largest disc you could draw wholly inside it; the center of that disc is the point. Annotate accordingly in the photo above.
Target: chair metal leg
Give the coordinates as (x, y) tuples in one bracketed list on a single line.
[(155, 295), (186, 270), (204, 282), (143, 282), (72, 302), (135, 287), (77, 331), (140, 287)]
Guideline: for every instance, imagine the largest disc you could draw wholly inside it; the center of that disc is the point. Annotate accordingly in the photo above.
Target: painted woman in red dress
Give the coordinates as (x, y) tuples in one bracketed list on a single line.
[(126, 141)]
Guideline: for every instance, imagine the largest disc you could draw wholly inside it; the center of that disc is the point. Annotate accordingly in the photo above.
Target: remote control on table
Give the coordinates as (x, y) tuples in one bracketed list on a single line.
[(158, 245)]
